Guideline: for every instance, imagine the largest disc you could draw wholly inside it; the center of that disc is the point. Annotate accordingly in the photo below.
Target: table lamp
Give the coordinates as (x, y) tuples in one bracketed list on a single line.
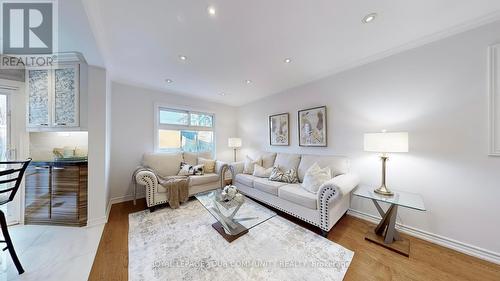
[(386, 143), (234, 143)]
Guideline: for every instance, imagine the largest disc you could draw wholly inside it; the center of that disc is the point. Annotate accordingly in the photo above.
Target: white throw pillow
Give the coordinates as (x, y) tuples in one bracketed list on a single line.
[(315, 177), (261, 172), (249, 164)]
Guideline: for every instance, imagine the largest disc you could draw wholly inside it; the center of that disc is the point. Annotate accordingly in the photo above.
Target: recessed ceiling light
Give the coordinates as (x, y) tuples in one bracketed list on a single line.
[(287, 60), (369, 18), (182, 57), (248, 81), (211, 10), (169, 80), (222, 94)]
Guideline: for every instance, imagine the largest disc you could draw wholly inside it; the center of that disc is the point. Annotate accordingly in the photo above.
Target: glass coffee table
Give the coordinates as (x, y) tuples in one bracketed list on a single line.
[(249, 215), (385, 234)]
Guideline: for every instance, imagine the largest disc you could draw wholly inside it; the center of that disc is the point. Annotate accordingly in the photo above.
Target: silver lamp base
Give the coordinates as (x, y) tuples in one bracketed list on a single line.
[(384, 191)]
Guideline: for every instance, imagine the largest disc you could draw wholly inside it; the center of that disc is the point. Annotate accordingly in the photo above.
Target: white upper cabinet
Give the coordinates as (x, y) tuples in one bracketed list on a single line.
[(54, 97)]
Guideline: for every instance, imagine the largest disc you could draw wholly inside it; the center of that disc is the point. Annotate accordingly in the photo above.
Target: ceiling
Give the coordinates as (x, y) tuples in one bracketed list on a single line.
[(141, 41)]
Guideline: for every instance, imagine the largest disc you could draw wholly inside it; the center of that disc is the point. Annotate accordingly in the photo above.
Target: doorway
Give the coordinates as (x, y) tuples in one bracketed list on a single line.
[(12, 209)]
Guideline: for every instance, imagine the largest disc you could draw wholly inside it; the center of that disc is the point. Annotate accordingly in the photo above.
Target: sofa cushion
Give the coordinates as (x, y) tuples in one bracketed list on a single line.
[(298, 195), (203, 179), (250, 163), (165, 164), (192, 157), (268, 159), (287, 161), (262, 172), (338, 164), (245, 179), (267, 186)]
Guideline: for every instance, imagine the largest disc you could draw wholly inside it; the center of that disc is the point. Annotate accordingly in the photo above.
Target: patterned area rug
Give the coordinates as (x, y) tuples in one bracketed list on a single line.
[(180, 244)]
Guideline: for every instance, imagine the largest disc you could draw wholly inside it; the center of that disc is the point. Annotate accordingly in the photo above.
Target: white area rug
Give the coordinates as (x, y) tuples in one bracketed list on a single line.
[(181, 244)]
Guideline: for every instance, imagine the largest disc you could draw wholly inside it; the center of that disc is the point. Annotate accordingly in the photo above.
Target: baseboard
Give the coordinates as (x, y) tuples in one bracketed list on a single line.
[(436, 239), (124, 198)]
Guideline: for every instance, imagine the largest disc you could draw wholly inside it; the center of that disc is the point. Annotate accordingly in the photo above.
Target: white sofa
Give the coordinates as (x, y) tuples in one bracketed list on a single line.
[(323, 209), (168, 164)]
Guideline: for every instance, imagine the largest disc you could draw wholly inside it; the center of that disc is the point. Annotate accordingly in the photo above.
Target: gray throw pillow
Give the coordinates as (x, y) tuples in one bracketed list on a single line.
[(289, 176)]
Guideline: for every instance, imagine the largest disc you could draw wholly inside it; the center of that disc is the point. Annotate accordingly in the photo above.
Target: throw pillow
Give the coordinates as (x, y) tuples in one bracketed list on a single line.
[(315, 177), (185, 170), (289, 176), (209, 164), (199, 170), (261, 172), (249, 164)]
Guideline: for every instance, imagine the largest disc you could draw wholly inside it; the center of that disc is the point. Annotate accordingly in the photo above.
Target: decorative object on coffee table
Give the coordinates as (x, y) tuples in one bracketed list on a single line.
[(279, 129), (235, 214), (234, 143), (312, 127), (385, 143), (385, 234), (229, 199)]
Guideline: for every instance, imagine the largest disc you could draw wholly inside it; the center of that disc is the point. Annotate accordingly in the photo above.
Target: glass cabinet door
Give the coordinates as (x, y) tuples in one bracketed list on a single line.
[(38, 103), (66, 96)]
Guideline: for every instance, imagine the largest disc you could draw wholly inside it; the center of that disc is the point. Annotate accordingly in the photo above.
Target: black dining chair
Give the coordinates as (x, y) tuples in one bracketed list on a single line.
[(10, 180)]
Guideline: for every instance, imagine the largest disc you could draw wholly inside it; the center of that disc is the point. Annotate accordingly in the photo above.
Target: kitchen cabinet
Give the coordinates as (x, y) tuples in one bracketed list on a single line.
[(56, 193), (56, 97)]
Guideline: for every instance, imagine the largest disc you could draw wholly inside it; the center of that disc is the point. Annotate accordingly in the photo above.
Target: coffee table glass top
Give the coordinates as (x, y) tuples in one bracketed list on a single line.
[(249, 215), (400, 198)]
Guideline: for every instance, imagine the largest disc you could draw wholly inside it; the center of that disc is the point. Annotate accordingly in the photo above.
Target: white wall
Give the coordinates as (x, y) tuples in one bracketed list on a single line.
[(42, 144), (132, 132), (438, 93), (97, 139)]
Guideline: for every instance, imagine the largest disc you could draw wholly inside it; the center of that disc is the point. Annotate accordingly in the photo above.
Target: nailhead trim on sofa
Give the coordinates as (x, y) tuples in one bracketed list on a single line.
[(327, 193)]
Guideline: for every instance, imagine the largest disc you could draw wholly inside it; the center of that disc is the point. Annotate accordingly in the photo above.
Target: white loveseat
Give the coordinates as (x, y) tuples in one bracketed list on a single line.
[(168, 164), (323, 209)]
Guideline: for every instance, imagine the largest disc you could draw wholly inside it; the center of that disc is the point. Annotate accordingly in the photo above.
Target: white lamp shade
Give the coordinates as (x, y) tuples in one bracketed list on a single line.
[(386, 142), (234, 142)]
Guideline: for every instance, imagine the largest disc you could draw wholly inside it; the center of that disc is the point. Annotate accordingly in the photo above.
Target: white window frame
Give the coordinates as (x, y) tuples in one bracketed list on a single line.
[(189, 110)]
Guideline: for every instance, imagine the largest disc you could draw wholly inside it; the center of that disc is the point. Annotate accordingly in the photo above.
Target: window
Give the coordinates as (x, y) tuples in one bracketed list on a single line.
[(182, 130)]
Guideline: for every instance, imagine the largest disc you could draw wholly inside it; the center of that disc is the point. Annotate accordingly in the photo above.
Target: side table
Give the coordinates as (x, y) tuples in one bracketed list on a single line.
[(385, 234)]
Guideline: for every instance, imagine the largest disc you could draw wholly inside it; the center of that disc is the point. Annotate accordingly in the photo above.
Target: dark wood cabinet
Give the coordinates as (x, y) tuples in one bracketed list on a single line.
[(56, 193)]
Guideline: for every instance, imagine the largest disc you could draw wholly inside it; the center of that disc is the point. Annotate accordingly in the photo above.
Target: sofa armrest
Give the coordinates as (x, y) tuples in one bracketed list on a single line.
[(346, 182), (330, 191), (218, 166), (150, 181), (238, 167)]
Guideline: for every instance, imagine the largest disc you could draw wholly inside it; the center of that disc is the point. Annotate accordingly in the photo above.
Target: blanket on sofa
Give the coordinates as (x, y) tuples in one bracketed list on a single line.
[(176, 186)]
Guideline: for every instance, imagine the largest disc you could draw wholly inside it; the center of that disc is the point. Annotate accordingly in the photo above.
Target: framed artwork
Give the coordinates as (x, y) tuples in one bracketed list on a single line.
[(279, 129), (494, 101), (312, 127)]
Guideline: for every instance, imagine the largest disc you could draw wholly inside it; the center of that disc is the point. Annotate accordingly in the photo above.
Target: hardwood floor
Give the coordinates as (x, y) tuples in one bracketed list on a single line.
[(371, 262)]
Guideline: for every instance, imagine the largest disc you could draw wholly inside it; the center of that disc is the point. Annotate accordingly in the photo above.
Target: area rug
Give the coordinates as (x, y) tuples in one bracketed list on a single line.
[(180, 244)]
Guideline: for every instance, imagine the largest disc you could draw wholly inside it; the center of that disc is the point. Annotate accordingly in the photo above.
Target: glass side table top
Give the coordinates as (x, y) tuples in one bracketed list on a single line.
[(400, 198), (249, 215)]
